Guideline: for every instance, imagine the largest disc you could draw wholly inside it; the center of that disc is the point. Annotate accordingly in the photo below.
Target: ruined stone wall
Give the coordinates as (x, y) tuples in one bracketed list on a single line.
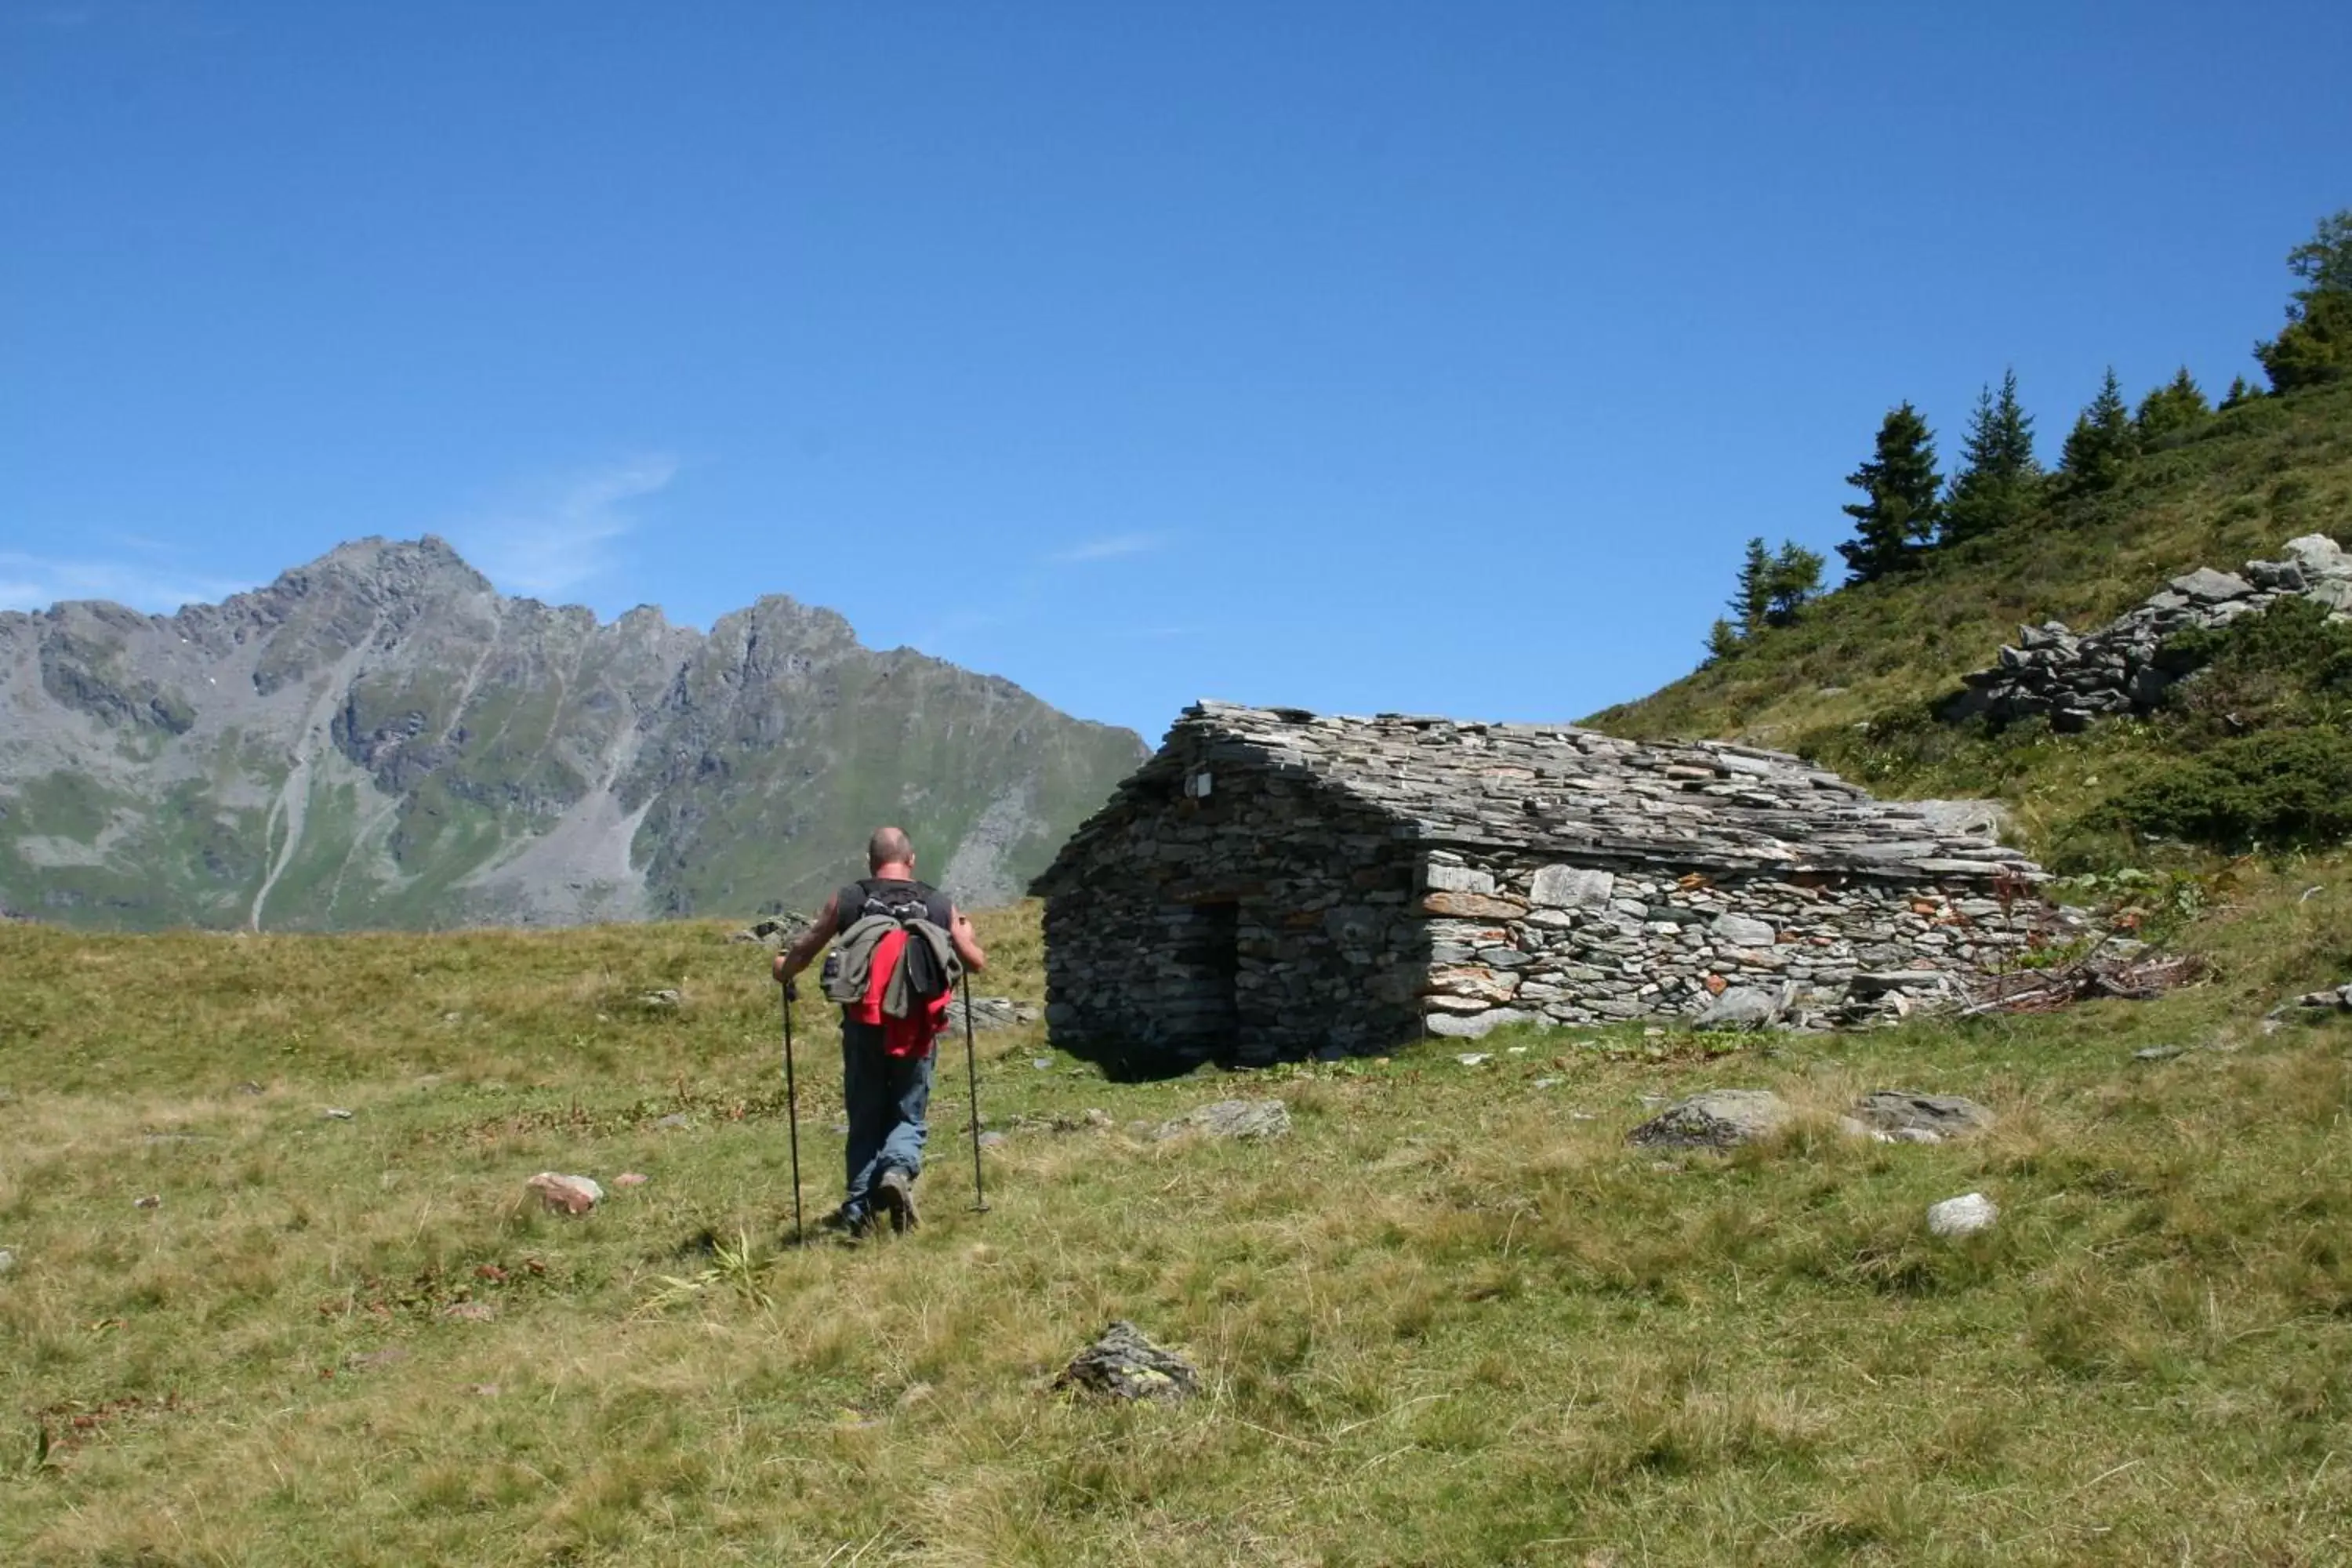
[(1261, 921), (1513, 941), (2072, 679)]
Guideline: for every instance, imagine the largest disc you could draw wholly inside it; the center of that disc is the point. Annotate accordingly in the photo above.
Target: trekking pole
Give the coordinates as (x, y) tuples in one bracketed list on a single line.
[(793, 1117), (971, 1072)]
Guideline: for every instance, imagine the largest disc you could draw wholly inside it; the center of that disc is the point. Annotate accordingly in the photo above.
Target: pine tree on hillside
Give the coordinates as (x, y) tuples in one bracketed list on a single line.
[(2241, 391), (1999, 477), (2316, 347), (1899, 511), (1794, 581), (2102, 441), (1722, 641), (1752, 596), (2179, 404)]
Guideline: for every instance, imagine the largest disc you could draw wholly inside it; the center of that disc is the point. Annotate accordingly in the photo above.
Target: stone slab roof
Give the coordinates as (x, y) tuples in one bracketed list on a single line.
[(1577, 795)]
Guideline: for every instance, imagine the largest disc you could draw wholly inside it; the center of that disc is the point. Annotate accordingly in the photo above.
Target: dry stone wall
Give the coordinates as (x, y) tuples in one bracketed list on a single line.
[(1266, 921), (2071, 679), (1515, 943)]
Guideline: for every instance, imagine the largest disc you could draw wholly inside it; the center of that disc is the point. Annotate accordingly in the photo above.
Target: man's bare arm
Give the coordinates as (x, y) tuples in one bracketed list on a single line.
[(795, 958), (967, 945)]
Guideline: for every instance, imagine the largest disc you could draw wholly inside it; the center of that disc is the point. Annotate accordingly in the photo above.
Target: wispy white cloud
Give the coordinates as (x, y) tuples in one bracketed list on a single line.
[(1109, 547), (552, 537), (31, 582)]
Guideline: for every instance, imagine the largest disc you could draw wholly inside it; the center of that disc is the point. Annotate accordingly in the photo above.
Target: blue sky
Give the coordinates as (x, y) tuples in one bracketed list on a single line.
[(1356, 356)]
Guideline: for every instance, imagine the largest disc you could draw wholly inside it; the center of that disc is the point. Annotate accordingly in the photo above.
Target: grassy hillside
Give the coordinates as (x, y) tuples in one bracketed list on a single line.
[(1851, 683), (1452, 1319)]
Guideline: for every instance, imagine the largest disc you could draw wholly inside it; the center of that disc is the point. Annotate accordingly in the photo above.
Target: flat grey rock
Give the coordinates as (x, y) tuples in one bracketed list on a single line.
[(1232, 1119), (1718, 1119), (2209, 586), (1125, 1364), (1898, 1111), (1478, 1025), (1740, 1008), (1573, 887), (1743, 931)]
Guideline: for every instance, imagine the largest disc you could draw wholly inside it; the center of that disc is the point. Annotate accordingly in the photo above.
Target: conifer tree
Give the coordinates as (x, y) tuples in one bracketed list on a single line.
[(2241, 391), (1899, 509), (1794, 582), (1998, 477), (2316, 347), (1722, 641), (2101, 442), (1751, 597), (2176, 406)]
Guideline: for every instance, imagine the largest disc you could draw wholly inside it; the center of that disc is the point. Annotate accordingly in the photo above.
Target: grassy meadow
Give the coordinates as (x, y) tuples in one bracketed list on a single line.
[(1452, 1319)]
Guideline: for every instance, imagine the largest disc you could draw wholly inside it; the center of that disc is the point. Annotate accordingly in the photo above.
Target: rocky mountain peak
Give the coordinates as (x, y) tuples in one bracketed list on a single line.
[(380, 738)]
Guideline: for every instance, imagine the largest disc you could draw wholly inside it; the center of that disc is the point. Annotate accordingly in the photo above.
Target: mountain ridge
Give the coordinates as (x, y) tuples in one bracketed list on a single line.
[(378, 737)]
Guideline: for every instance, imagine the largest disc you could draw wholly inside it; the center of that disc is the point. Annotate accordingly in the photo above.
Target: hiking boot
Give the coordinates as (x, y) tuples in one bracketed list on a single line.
[(895, 1196)]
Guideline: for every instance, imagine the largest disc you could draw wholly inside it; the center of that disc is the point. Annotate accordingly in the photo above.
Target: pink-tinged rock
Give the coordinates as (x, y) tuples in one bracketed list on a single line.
[(566, 1195), (470, 1311), (631, 1178), (1472, 906)]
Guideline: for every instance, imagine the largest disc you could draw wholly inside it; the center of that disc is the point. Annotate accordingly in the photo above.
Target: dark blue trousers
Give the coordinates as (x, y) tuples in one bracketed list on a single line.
[(887, 1097)]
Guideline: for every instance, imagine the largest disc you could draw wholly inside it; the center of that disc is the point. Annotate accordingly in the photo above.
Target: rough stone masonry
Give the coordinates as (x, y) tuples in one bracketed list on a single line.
[(2071, 679), (1274, 884)]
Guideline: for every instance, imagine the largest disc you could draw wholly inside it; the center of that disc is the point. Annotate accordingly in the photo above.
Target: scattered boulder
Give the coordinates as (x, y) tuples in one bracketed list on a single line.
[(2159, 1053), (470, 1311), (1743, 1008), (676, 1122), (2339, 1000), (366, 1361), (1718, 1119), (667, 998), (8, 1260), (1230, 1119), (631, 1178), (565, 1195), (1478, 1025), (1963, 1215), (776, 930), (1124, 1364), (152, 1201), (991, 1013), (1907, 1116), (335, 1113)]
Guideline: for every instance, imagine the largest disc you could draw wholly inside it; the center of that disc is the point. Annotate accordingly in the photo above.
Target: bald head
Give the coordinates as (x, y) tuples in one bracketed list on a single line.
[(889, 847)]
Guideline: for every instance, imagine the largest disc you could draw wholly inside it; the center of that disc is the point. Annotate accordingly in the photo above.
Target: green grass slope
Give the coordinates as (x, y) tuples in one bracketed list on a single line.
[(2240, 484), (1854, 682), (1453, 1318)]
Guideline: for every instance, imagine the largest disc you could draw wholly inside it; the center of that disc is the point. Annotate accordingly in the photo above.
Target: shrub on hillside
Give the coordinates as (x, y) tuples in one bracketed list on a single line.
[(2276, 789), (2288, 665)]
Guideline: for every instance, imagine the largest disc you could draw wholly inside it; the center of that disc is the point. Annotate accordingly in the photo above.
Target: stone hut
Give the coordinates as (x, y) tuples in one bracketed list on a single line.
[(1273, 884)]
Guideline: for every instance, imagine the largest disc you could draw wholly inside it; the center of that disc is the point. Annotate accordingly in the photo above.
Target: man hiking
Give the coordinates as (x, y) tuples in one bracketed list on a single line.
[(902, 945)]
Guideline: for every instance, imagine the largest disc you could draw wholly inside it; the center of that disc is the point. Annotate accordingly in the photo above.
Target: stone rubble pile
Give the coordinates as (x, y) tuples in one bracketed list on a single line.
[(991, 1013), (2070, 679)]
